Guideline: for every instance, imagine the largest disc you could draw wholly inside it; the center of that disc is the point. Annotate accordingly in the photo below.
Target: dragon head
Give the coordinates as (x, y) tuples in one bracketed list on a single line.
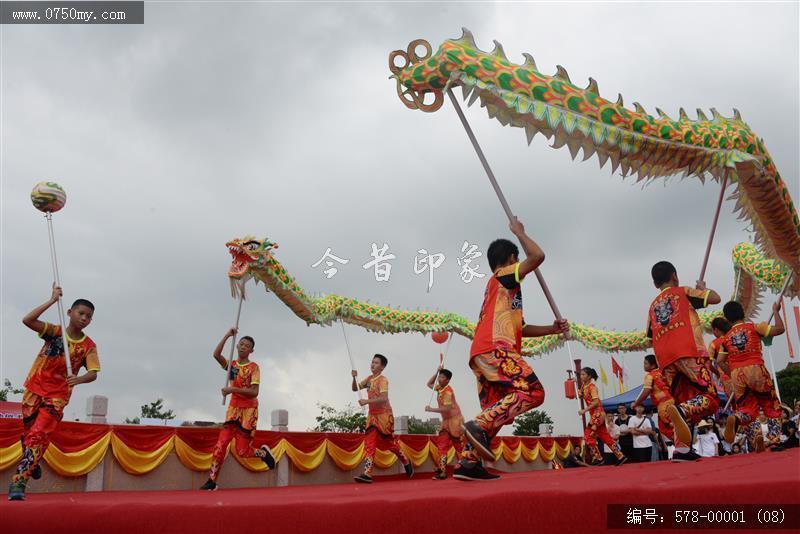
[(248, 252), (415, 78)]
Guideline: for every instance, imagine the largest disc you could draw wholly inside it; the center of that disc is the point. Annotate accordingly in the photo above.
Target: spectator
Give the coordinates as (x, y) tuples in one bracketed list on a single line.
[(706, 442), (796, 417), (625, 437), (613, 430), (655, 439), (573, 461), (641, 429), (765, 443), (714, 430), (720, 428), (788, 428), (736, 449)]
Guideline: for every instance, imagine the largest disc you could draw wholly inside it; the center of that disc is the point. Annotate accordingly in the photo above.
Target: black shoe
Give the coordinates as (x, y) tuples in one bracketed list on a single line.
[(268, 457), (476, 472), (622, 461), (37, 472), (210, 485), (409, 469), (364, 479), (16, 491), (440, 475), (690, 456), (777, 448), (479, 440)]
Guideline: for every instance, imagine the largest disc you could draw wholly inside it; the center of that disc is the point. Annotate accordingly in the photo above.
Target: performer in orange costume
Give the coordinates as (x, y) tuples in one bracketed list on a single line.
[(656, 388), (507, 386), (48, 388), (451, 432), (596, 428), (675, 328), (380, 421), (242, 414), (753, 388)]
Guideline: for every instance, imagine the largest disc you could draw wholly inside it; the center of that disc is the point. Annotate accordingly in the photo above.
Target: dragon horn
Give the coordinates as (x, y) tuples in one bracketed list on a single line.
[(619, 100), (467, 38), (498, 51), (561, 72), (530, 63), (700, 115), (592, 87)]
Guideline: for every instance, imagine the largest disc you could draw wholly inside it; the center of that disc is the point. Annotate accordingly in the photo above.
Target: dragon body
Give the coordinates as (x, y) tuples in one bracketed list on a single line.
[(254, 259), (631, 139), (579, 118)]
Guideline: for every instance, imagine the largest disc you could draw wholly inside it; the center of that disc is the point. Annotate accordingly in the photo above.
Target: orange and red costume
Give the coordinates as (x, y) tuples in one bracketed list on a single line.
[(661, 399), (675, 328), (507, 386), (715, 349), (596, 427), (380, 423), (241, 417), (451, 432), (47, 392), (752, 384)]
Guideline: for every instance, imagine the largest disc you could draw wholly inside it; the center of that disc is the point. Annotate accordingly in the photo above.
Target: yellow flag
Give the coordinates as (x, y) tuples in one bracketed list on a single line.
[(603, 377)]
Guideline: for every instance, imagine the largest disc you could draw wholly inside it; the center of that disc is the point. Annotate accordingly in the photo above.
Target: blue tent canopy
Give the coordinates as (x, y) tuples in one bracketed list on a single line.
[(610, 404)]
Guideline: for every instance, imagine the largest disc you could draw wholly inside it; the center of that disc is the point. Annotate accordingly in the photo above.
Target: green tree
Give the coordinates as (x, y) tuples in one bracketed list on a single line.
[(7, 390), (528, 423), (418, 426), (154, 410), (332, 420), (789, 384)]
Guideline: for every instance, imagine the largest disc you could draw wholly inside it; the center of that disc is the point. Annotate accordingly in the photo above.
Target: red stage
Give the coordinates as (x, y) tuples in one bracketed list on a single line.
[(568, 500)]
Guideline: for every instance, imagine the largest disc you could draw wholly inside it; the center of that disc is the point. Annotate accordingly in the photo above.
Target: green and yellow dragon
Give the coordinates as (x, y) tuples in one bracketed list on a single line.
[(254, 258), (633, 140), (580, 119)]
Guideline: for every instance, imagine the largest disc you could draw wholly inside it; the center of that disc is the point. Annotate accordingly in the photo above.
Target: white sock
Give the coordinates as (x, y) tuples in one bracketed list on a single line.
[(682, 450)]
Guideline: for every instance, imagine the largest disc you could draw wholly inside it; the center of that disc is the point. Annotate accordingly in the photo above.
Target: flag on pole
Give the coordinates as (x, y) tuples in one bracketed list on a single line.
[(786, 323), (617, 370), (603, 376)]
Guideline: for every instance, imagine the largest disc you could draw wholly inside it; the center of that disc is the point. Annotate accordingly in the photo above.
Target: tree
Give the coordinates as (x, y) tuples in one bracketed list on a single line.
[(332, 420), (154, 410), (418, 426), (528, 423), (7, 390), (789, 384)]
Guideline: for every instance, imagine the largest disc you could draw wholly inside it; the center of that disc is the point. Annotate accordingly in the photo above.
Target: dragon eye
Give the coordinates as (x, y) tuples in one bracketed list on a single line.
[(251, 245)]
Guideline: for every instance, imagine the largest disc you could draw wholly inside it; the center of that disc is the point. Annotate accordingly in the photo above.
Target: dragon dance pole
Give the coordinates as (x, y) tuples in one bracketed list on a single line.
[(769, 321), (233, 343), (501, 197), (359, 396), (713, 226), (441, 364), (56, 277)]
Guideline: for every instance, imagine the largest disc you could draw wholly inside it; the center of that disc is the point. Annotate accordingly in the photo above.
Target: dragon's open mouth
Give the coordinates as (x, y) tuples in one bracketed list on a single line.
[(240, 263)]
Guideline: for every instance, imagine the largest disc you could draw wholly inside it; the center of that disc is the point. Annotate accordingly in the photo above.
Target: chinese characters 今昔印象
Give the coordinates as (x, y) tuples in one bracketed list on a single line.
[(424, 261)]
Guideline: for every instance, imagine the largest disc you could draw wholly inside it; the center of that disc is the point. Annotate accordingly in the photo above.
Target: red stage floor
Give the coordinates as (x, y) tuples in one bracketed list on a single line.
[(570, 500)]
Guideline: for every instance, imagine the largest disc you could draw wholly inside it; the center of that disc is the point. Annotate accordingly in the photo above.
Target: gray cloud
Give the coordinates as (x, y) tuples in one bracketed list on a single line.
[(213, 121)]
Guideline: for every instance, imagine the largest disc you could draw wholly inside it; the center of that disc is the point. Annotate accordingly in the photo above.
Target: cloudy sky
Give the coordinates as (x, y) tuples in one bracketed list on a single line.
[(213, 121)]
